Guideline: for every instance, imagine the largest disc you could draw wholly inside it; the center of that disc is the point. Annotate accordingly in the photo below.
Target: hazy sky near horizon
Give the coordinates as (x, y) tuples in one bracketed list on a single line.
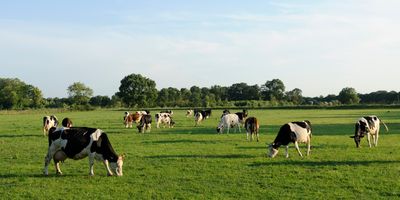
[(317, 46)]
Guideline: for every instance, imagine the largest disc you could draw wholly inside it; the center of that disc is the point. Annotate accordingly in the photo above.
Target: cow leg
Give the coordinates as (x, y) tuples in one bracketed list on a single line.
[(91, 164), (369, 139), (308, 147), (47, 159), (298, 149), (247, 135), (287, 151), (59, 156), (107, 166)]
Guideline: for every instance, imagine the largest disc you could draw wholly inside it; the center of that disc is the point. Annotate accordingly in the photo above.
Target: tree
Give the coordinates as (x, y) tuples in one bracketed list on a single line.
[(16, 94), (348, 95), (295, 96), (273, 90), (100, 101), (79, 93), (195, 97), (137, 90)]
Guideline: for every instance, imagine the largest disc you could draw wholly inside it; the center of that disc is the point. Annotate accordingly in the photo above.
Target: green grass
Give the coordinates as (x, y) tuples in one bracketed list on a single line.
[(188, 162)]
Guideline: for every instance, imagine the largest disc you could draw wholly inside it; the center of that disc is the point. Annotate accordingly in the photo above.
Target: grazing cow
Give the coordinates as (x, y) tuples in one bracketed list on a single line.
[(48, 122), (79, 142), (198, 117), (144, 124), (296, 132), (242, 116), (130, 118), (252, 127), (163, 118), (369, 126), (228, 121)]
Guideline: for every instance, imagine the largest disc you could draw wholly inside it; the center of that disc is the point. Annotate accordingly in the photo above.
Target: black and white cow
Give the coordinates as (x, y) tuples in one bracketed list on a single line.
[(293, 132), (163, 118), (369, 126), (79, 142), (252, 128), (48, 122), (144, 124), (205, 113)]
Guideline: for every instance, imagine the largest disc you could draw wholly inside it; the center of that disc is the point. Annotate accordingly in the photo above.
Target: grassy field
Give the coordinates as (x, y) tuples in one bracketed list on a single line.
[(188, 162)]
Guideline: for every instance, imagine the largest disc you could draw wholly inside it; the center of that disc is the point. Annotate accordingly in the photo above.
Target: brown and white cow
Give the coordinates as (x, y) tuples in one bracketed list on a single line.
[(293, 132), (252, 128), (129, 118), (80, 142), (369, 126), (48, 122)]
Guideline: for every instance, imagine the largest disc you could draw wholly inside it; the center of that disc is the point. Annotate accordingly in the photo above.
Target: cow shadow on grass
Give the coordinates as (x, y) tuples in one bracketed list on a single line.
[(21, 135), (223, 156), (182, 141), (331, 163)]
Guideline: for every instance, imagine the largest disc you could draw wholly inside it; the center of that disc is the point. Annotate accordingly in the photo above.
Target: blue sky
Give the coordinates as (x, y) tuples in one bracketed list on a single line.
[(317, 46)]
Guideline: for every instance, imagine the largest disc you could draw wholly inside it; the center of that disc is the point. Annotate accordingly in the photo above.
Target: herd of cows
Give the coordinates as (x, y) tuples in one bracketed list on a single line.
[(76, 143)]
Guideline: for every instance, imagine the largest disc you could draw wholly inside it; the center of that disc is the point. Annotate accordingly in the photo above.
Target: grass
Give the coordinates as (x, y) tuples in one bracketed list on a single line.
[(188, 162)]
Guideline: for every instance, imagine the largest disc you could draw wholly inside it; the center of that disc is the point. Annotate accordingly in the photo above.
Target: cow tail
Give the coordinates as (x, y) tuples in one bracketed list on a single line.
[(387, 129)]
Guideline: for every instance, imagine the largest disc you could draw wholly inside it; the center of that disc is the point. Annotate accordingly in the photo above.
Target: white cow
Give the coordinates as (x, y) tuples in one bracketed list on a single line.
[(228, 121)]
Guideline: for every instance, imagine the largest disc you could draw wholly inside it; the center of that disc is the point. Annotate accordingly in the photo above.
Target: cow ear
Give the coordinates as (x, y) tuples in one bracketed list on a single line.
[(123, 156)]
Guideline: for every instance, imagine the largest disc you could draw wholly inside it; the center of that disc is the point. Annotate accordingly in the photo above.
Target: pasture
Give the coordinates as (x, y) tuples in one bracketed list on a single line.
[(187, 162)]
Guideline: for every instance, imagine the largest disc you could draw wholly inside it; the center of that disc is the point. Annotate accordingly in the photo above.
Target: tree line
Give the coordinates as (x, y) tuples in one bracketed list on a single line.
[(138, 91)]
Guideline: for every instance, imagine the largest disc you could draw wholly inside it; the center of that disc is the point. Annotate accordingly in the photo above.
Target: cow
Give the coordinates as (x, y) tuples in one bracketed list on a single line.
[(252, 128), (198, 117), (205, 113), (49, 122), (144, 124), (130, 118), (163, 118), (80, 142), (228, 121), (369, 126), (189, 113), (66, 122), (296, 132)]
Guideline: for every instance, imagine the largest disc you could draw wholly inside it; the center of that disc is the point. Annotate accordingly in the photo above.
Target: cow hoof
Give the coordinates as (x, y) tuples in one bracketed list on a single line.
[(59, 173)]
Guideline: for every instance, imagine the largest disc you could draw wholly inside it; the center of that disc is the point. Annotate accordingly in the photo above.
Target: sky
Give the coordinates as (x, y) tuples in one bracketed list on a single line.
[(319, 46)]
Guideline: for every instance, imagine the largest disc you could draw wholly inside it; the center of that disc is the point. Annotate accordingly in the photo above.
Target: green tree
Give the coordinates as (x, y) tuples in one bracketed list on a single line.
[(137, 90), (295, 96), (100, 101), (195, 97), (348, 95), (273, 90), (15, 94), (79, 93)]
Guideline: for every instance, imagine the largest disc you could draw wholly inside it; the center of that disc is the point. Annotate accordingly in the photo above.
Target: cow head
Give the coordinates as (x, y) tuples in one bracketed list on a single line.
[(117, 166), (272, 150), (361, 129), (220, 128)]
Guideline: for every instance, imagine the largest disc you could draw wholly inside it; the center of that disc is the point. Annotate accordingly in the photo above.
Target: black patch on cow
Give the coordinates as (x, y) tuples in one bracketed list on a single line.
[(371, 121), (103, 147), (284, 137), (78, 138), (304, 124)]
